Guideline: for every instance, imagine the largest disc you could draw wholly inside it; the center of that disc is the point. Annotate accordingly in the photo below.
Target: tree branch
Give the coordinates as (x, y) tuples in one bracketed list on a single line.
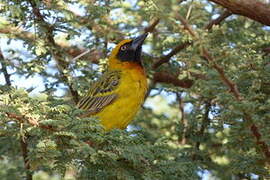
[(254, 129), (24, 148), (205, 123), (4, 69), (168, 78), (233, 89), (187, 27), (266, 51), (29, 120), (55, 50), (17, 32), (164, 59), (232, 86), (23, 139), (94, 55), (182, 139), (252, 9), (218, 20), (73, 51), (152, 26), (164, 77)]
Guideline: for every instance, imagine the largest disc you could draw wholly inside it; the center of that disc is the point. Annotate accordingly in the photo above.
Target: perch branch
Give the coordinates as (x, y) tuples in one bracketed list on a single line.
[(252, 9)]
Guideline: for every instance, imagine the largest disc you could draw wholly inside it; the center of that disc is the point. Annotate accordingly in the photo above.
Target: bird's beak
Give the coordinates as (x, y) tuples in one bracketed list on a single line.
[(138, 41)]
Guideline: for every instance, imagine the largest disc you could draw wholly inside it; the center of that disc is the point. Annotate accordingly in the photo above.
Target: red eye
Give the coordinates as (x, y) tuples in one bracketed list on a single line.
[(123, 48)]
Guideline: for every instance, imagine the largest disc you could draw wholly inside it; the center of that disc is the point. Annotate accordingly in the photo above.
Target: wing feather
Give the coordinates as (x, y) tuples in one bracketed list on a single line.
[(101, 93)]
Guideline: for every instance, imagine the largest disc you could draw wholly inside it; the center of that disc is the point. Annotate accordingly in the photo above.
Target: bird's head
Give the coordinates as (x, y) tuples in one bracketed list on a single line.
[(128, 51)]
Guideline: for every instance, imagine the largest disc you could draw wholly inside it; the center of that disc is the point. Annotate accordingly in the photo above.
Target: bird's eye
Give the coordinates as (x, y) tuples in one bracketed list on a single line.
[(123, 48)]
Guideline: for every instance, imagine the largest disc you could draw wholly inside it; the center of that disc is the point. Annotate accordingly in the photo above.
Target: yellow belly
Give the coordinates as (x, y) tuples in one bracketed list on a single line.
[(131, 93)]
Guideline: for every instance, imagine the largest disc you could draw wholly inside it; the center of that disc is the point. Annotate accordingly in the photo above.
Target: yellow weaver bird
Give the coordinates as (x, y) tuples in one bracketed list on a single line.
[(117, 96)]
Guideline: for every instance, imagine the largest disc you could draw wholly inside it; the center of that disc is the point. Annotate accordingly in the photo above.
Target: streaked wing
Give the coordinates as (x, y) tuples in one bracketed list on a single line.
[(101, 93)]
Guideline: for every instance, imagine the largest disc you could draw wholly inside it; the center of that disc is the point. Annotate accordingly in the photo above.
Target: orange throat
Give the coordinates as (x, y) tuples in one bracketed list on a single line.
[(125, 66)]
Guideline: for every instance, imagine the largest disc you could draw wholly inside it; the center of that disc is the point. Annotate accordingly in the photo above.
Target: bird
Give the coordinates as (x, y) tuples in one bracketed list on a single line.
[(116, 97)]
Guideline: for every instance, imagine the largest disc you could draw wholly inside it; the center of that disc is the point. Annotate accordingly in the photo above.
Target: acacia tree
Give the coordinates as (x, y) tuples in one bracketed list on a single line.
[(206, 112)]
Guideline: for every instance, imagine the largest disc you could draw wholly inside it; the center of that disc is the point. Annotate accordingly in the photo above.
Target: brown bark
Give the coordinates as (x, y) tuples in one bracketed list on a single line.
[(218, 20), (24, 149), (261, 143), (166, 58), (229, 83), (164, 77), (4, 69), (252, 9), (152, 26), (182, 139)]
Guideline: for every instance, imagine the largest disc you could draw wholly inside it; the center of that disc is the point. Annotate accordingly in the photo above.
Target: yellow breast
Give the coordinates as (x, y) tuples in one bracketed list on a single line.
[(131, 92)]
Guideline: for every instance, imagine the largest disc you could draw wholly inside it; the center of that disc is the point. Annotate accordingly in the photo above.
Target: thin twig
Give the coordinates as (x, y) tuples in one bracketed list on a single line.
[(4, 69), (232, 86), (218, 20), (152, 26), (29, 120), (24, 148), (182, 139), (186, 25), (80, 55), (164, 59), (189, 10), (209, 58), (205, 123)]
